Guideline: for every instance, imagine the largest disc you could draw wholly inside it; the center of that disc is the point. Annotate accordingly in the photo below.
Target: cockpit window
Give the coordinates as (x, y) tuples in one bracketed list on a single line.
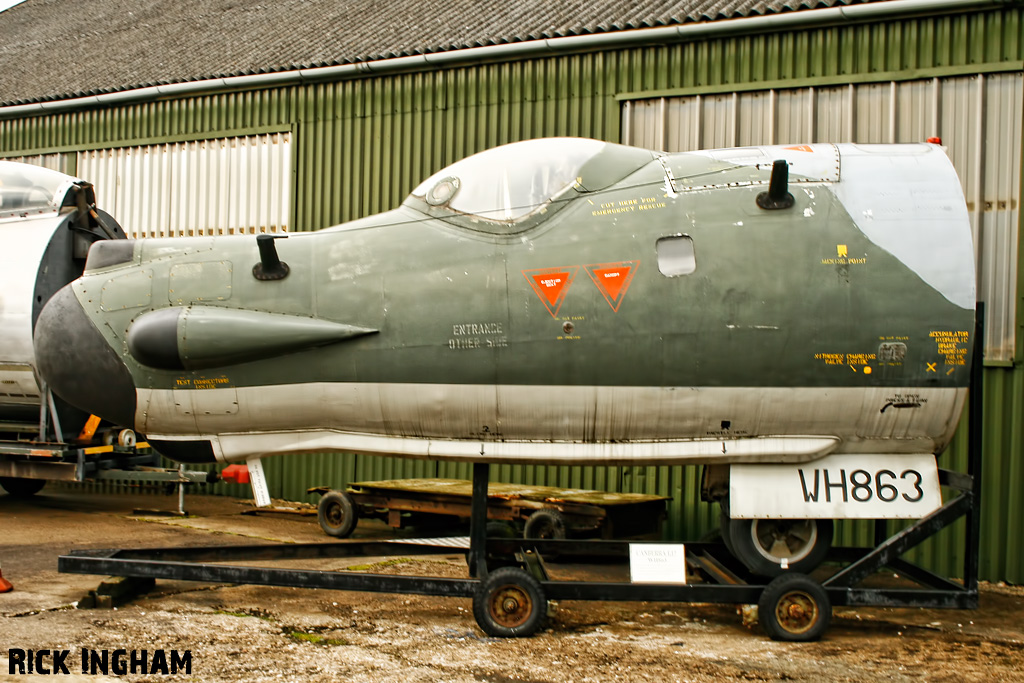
[(30, 189), (506, 184)]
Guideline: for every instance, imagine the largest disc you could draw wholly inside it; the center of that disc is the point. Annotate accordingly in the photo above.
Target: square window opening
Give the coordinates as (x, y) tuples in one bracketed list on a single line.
[(676, 256)]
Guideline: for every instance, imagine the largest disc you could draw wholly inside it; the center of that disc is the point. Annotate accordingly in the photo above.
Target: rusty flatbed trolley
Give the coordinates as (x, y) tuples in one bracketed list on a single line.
[(539, 512), (511, 580)]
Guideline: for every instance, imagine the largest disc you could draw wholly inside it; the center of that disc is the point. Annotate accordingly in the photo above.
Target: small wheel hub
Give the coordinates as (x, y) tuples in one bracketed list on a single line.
[(334, 514), (510, 606), (796, 612)]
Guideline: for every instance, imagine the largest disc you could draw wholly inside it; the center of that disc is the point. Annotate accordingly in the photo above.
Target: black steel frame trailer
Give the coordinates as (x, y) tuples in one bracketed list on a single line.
[(511, 580), (541, 511)]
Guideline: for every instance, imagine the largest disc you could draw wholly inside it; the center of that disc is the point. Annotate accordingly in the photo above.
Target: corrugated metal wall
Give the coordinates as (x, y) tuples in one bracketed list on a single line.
[(224, 186), (360, 145), (54, 162), (365, 144), (978, 117)]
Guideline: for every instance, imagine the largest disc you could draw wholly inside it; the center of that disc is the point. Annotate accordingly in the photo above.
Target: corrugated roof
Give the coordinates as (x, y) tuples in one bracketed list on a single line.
[(56, 49)]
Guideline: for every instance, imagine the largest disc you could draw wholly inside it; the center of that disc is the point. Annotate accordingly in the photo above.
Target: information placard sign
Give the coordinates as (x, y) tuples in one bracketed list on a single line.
[(657, 563)]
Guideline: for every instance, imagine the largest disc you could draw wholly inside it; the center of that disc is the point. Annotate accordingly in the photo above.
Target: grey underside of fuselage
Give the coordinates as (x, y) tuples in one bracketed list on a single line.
[(557, 424)]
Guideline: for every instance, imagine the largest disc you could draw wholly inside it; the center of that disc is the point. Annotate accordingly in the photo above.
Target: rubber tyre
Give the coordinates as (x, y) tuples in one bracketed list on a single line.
[(724, 528), (19, 487), (794, 608), (510, 603), (755, 542), (337, 514), (500, 530), (545, 525)]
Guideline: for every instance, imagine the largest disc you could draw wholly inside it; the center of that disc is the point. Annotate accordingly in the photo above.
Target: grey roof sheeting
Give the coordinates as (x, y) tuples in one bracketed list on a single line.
[(58, 49)]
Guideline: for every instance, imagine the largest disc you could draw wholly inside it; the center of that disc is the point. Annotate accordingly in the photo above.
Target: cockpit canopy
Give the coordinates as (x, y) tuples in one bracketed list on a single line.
[(508, 189), (30, 190)]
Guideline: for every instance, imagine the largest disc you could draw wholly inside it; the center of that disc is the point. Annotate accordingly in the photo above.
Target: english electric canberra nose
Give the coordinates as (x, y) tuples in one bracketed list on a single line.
[(559, 301)]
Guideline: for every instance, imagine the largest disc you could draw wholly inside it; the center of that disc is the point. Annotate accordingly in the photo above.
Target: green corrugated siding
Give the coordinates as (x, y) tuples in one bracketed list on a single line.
[(362, 144)]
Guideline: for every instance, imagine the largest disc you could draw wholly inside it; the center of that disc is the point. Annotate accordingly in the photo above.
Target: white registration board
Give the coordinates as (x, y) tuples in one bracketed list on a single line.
[(848, 486)]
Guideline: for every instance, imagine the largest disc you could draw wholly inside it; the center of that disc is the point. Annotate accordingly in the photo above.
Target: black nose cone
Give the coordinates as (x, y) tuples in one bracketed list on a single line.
[(78, 364)]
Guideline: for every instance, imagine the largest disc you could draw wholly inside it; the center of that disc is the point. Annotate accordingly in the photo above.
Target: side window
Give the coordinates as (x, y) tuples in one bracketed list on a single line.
[(675, 255)]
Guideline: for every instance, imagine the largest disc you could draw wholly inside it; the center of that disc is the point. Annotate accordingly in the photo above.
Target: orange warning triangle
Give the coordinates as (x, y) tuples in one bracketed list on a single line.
[(551, 285), (612, 279), (801, 148)]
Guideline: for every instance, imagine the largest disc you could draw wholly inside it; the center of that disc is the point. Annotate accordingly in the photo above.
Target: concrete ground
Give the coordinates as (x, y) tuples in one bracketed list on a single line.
[(255, 633)]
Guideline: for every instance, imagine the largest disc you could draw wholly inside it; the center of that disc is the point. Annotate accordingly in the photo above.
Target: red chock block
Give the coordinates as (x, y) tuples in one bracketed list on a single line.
[(237, 474)]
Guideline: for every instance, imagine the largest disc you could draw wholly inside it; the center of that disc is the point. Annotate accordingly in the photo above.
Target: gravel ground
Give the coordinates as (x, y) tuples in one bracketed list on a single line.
[(252, 634)]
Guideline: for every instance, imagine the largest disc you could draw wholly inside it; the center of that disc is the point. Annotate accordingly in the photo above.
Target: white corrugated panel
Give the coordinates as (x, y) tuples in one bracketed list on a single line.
[(979, 119), (719, 121), (833, 113), (754, 119), (54, 162), (228, 186)]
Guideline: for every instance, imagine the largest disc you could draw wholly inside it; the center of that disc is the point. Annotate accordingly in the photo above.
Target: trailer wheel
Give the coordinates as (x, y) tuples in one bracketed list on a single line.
[(19, 487), (510, 603), (771, 547), (337, 514), (545, 524), (126, 438), (794, 608)]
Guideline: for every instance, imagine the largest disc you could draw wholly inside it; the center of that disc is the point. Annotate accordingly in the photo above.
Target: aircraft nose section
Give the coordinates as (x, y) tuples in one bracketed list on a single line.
[(78, 364)]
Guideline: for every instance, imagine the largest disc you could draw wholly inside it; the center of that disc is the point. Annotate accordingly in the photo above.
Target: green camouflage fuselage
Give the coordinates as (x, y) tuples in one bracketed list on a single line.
[(778, 335)]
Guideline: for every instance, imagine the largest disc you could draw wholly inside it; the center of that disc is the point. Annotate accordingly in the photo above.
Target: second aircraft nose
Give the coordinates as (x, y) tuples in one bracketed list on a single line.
[(77, 363)]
